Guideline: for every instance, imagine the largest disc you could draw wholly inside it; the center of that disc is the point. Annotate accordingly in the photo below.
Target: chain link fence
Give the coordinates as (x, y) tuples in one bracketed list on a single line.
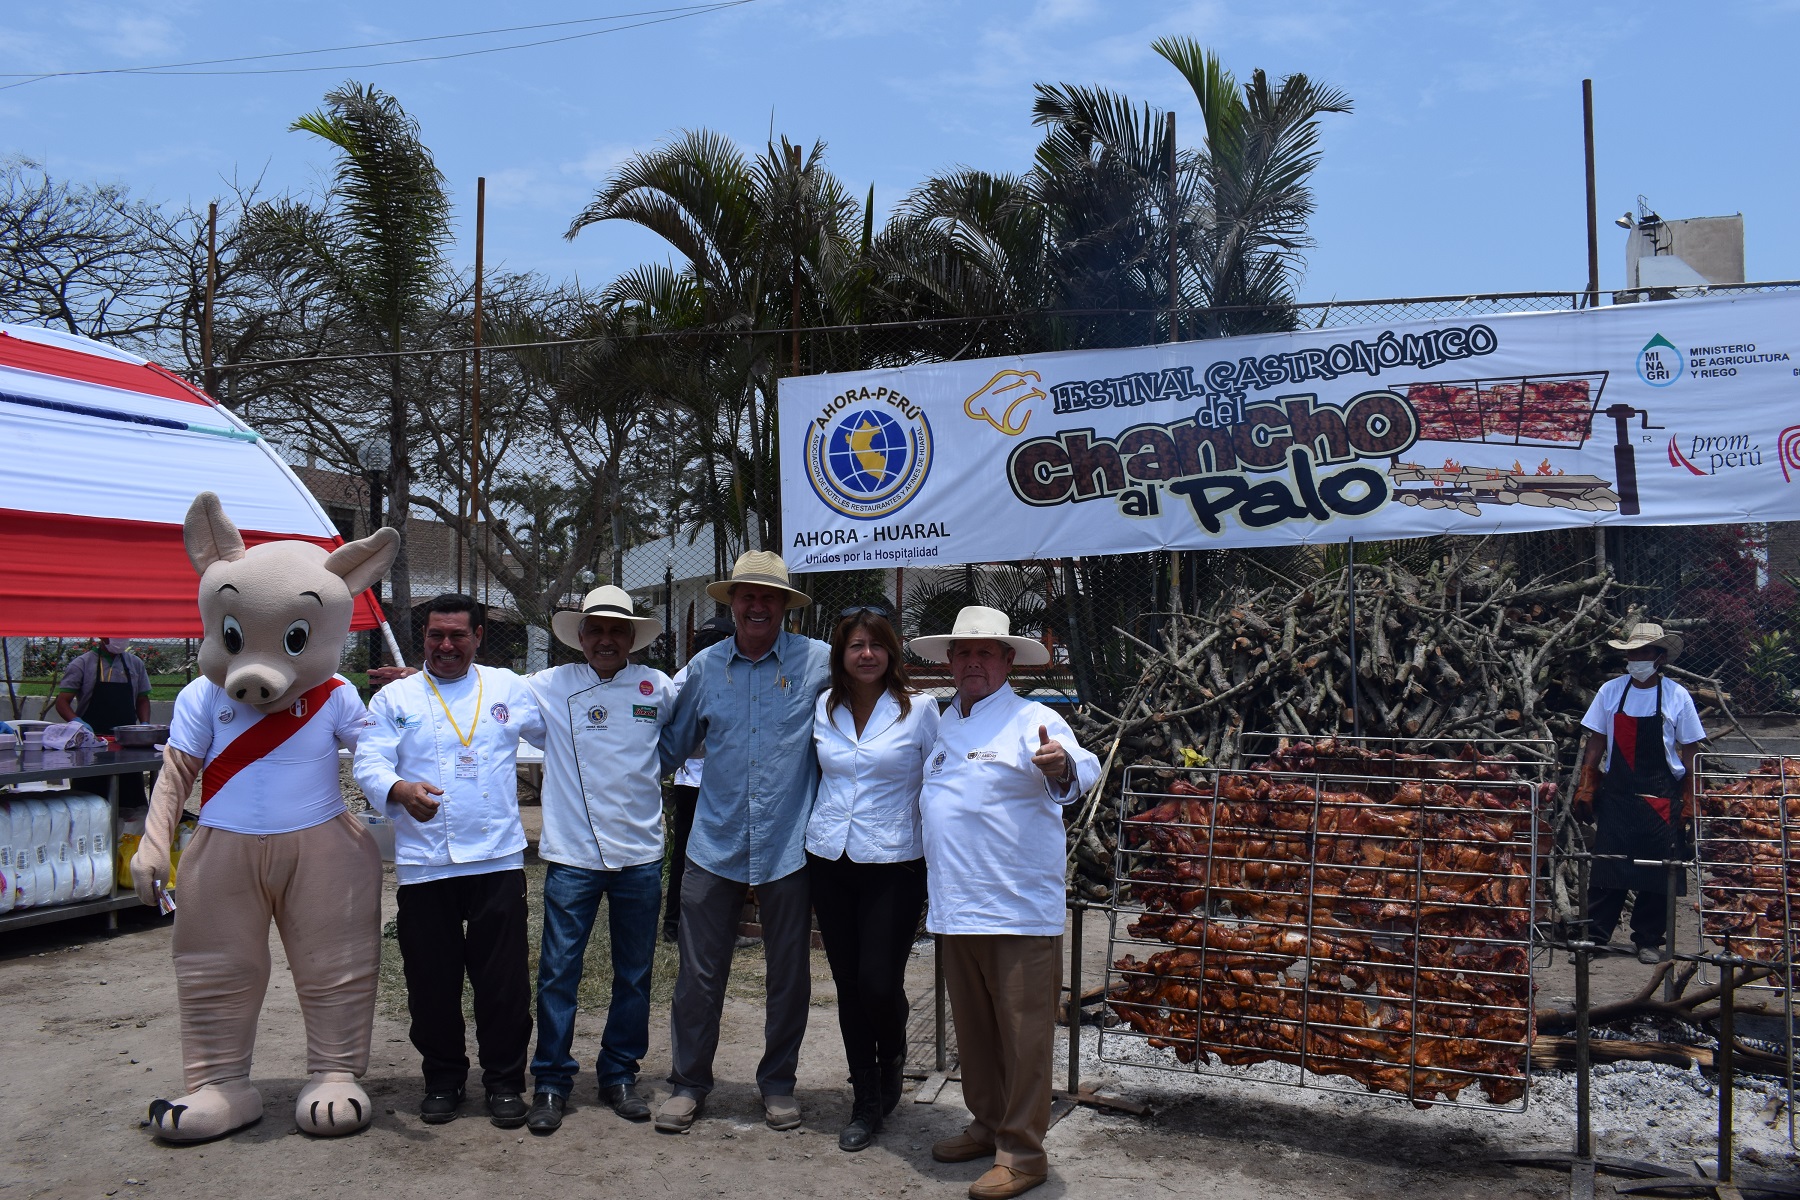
[(647, 458)]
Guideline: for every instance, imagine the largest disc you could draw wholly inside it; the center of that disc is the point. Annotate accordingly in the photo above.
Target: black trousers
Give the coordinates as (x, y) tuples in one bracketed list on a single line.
[(474, 925), (1649, 915), (683, 798), (868, 916)]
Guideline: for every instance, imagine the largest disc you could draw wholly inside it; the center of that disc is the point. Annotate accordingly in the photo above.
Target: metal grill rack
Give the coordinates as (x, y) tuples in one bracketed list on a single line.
[(1362, 931), (1747, 851)]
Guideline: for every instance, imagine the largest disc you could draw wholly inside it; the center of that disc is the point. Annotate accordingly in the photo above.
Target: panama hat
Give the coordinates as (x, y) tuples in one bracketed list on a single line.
[(764, 568), (606, 601), (1645, 634), (976, 623)]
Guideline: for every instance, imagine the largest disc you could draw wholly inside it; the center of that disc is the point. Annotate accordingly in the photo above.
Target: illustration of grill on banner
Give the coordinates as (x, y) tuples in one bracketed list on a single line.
[(1552, 412), (1367, 929)]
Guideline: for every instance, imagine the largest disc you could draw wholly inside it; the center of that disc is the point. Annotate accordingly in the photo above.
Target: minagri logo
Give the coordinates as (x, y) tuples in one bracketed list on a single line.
[(1659, 363)]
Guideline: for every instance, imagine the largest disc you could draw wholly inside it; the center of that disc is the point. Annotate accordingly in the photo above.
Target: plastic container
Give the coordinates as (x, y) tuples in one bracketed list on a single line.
[(382, 830)]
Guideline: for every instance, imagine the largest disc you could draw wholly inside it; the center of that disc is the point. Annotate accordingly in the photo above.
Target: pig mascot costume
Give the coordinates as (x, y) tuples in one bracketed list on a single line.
[(260, 729)]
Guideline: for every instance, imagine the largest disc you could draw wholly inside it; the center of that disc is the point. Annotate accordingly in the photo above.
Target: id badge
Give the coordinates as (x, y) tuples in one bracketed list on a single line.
[(467, 765)]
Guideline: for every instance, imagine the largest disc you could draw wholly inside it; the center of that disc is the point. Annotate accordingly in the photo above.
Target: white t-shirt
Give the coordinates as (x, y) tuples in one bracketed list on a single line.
[(1681, 721), (292, 786)]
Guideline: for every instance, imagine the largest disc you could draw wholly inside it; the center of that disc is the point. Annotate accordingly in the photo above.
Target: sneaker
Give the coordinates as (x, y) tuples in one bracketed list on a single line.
[(546, 1115), (1649, 955), (961, 1148), (678, 1112), (1002, 1183), (623, 1099), (781, 1112), (506, 1110), (439, 1108)]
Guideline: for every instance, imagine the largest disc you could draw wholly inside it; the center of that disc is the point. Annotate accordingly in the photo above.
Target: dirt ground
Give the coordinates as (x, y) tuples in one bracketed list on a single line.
[(91, 1035)]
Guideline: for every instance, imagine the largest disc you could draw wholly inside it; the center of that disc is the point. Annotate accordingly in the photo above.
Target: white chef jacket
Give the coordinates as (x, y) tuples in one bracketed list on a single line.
[(994, 846), (476, 828), (602, 774), (868, 801), (1681, 720)]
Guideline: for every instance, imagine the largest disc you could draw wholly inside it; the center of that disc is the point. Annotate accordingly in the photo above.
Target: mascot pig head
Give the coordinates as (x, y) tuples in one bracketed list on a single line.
[(276, 615)]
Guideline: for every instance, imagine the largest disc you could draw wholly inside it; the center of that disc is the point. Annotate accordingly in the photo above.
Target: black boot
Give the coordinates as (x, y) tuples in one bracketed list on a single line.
[(865, 1110), (893, 1078)]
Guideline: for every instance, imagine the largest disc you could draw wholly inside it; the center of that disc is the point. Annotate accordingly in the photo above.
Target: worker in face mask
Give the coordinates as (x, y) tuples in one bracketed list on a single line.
[(1637, 785)]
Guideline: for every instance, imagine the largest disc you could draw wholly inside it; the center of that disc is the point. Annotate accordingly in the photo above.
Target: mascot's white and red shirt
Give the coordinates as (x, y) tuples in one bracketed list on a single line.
[(268, 773)]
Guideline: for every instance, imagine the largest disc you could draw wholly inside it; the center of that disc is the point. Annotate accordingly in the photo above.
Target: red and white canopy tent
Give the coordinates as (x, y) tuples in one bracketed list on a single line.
[(101, 452)]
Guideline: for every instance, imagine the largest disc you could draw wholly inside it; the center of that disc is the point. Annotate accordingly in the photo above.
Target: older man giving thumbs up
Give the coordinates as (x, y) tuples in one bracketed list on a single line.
[(995, 783)]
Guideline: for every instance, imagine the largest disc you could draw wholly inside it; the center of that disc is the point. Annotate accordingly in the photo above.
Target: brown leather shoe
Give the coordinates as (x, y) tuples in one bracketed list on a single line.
[(1002, 1183), (961, 1148)]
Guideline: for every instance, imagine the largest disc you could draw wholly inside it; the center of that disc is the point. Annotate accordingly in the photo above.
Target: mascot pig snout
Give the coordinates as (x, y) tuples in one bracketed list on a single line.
[(277, 614)]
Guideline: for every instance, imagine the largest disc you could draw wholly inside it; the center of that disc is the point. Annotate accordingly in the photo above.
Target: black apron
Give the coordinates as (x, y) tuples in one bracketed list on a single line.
[(112, 702), (1638, 805)]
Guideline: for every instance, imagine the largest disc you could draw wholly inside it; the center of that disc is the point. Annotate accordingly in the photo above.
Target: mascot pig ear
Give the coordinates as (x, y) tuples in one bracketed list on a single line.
[(209, 534), (361, 564)]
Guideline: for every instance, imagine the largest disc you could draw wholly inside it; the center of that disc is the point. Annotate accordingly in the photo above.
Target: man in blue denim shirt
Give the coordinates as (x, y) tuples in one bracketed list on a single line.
[(750, 700)]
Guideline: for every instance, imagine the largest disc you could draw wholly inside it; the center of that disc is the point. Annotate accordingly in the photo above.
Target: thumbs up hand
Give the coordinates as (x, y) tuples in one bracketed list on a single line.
[(1051, 758)]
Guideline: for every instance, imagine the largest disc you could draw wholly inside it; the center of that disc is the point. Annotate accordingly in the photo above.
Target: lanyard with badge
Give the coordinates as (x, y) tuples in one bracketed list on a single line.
[(468, 765)]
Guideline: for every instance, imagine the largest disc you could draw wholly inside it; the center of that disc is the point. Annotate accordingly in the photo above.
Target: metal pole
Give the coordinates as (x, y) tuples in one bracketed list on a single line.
[(1079, 909), (475, 381), (1727, 1001), (212, 279), (1173, 219), (1355, 688), (1584, 1141), (1593, 226), (1668, 954), (937, 989)]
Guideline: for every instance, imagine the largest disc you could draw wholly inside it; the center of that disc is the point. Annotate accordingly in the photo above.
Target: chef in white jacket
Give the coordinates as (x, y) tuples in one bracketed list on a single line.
[(440, 757), (603, 838), (995, 783)]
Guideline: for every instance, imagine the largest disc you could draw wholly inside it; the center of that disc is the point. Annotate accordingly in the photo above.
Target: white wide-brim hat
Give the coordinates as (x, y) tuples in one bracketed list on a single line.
[(763, 568), (976, 623), (1645, 633), (604, 601)]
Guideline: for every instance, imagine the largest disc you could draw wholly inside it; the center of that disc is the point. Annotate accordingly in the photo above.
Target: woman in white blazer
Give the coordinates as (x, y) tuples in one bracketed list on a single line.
[(865, 854)]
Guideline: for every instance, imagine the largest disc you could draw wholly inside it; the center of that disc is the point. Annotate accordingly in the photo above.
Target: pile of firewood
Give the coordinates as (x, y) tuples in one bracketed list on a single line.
[(1464, 653)]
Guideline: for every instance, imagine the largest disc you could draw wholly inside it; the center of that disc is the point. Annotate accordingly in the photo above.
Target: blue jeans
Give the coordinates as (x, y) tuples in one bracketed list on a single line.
[(571, 902)]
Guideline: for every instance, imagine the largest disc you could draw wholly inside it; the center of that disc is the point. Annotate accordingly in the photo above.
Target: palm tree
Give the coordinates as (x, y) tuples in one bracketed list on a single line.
[(767, 245), (378, 248)]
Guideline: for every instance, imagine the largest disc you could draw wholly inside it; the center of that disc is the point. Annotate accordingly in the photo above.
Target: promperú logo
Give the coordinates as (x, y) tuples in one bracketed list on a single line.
[(1659, 362), (1708, 454), (1788, 448), (868, 452)]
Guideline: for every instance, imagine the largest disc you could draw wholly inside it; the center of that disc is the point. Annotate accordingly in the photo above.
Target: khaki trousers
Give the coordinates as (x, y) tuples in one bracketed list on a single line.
[(1004, 991), (322, 888)]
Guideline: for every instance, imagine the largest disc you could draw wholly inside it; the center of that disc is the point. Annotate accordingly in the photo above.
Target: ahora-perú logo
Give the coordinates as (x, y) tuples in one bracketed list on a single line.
[(868, 452), (1708, 454), (1206, 464)]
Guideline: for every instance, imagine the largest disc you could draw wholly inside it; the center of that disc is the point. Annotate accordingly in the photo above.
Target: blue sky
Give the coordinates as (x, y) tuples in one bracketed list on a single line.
[(1460, 170)]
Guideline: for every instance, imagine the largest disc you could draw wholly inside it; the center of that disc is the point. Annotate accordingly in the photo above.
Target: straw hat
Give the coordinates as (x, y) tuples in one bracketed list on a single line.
[(976, 623), (764, 568), (1643, 634), (606, 601)]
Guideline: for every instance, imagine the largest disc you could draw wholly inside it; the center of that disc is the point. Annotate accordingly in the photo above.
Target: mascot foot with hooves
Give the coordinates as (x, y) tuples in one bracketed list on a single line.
[(207, 1112), (260, 730), (331, 1104)]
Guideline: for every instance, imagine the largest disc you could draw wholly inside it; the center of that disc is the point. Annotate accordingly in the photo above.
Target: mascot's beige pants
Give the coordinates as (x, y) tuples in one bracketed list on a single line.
[(322, 888)]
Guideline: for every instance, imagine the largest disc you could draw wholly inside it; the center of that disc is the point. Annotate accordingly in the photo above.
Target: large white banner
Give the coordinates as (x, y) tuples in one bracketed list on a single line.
[(1679, 412)]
